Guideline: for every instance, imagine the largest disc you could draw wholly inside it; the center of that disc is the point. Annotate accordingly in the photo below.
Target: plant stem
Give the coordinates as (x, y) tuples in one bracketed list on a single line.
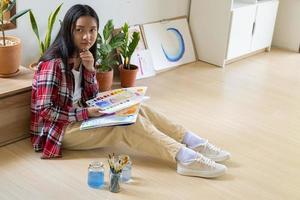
[(129, 63), (2, 30)]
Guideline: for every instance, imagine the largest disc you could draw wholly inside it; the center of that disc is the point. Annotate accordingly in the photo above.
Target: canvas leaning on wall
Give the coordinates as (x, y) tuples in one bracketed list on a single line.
[(142, 56), (170, 43)]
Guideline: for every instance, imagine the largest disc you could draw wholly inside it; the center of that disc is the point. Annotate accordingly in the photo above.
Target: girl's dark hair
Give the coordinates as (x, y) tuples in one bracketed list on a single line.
[(63, 45)]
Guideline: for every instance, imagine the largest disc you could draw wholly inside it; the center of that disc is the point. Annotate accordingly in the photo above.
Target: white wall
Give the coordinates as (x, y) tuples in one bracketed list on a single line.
[(287, 29), (132, 11)]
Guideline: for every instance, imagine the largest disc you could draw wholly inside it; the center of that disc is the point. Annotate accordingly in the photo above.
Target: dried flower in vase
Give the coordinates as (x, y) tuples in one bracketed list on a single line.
[(117, 163)]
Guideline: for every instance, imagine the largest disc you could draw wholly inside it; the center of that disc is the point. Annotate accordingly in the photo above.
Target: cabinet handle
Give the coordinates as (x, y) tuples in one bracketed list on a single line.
[(253, 28)]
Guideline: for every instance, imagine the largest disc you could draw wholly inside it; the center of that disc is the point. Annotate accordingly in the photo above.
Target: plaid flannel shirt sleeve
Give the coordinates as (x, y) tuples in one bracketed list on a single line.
[(90, 86), (49, 94)]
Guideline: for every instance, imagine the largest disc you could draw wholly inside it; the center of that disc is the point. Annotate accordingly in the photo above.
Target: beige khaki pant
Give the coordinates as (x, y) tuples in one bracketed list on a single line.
[(152, 133)]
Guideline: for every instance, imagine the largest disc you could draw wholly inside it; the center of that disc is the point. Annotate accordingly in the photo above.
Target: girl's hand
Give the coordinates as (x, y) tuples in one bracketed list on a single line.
[(94, 112), (87, 59)]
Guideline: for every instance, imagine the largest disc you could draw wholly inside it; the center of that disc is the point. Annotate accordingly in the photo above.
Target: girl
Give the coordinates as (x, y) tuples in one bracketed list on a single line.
[(65, 79)]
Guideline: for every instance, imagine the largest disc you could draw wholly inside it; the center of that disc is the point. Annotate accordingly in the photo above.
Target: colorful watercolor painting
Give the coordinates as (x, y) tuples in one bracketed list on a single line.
[(170, 43), (123, 117)]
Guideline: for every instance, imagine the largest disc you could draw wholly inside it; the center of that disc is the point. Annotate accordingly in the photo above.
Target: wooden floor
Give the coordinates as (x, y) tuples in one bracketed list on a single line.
[(251, 108)]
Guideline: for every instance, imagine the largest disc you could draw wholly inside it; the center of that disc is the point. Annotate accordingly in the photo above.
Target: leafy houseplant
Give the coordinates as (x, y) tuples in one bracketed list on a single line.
[(127, 70), (44, 45), (106, 56), (7, 6), (10, 47)]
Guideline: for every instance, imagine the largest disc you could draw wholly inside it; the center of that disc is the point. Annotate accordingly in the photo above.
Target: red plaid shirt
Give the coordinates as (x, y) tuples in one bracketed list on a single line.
[(52, 105)]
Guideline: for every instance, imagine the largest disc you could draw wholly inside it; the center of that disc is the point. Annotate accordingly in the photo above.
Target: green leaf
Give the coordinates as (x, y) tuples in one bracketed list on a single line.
[(99, 39), (117, 41), (19, 14), (98, 55), (34, 25), (3, 9), (51, 20), (125, 28), (42, 47), (133, 44), (47, 38), (105, 48), (124, 47), (108, 29), (117, 44)]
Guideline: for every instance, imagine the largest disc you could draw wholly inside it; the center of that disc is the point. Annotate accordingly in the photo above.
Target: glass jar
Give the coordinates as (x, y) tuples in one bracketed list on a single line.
[(126, 172), (96, 175), (114, 184)]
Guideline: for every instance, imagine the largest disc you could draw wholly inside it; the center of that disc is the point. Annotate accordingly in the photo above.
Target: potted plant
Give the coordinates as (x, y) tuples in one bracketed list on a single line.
[(128, 71), (10, 47), (106, 55), (43, 45)]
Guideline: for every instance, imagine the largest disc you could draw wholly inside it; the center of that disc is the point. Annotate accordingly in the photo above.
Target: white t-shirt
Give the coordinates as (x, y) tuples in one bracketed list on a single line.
[(77, 85)]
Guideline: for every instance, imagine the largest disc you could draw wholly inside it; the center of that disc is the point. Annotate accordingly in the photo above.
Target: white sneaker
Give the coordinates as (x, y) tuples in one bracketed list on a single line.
[(202, 167), (212, 152)]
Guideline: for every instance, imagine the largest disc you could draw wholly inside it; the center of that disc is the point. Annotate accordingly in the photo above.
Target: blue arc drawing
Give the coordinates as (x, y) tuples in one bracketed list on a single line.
[(178, 55)]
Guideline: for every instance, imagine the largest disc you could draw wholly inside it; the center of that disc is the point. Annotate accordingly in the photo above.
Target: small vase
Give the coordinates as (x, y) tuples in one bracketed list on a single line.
[(114, 182)]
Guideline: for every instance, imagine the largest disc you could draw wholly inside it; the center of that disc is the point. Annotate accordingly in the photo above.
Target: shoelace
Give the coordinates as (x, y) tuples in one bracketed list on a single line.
[(206, 161), (213, 148)]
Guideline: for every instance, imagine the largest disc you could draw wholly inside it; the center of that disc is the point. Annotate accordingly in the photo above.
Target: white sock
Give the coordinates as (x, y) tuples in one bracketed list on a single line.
[(186, 154), (192, 140)]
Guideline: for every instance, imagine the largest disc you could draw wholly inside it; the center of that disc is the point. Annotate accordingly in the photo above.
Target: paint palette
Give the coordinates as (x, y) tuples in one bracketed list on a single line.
[(115, 100)]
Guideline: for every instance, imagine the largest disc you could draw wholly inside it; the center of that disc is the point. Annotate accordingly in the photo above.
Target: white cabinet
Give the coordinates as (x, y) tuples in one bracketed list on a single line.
[(240, 35), (264, 24), (227, 29)]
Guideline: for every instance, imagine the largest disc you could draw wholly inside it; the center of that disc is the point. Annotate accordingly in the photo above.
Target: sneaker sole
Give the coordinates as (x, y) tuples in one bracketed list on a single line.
[(203, 174)]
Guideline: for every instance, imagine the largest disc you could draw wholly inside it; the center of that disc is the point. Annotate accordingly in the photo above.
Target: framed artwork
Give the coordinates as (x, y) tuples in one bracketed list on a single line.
[(143, 60), (142, 56), (170, 43)]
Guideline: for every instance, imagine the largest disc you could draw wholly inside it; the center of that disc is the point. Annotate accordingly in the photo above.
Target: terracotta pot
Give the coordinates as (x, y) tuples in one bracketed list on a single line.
[(127, 76), (105, 80), (10, 56), (33, 66)]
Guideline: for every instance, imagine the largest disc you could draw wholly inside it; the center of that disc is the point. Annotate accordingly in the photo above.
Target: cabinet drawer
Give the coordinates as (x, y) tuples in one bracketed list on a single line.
[(14, 117)]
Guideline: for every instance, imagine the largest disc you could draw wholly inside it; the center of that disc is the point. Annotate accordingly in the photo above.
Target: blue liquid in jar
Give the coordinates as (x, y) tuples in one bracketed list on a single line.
[(96, 179)]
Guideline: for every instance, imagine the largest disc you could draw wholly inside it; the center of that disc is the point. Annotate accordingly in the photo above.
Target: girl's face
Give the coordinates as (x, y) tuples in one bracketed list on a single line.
[(85, 33)]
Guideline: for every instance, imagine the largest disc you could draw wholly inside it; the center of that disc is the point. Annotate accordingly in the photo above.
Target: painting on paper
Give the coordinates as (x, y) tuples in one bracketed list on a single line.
[(141, 56), (170, 43)]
